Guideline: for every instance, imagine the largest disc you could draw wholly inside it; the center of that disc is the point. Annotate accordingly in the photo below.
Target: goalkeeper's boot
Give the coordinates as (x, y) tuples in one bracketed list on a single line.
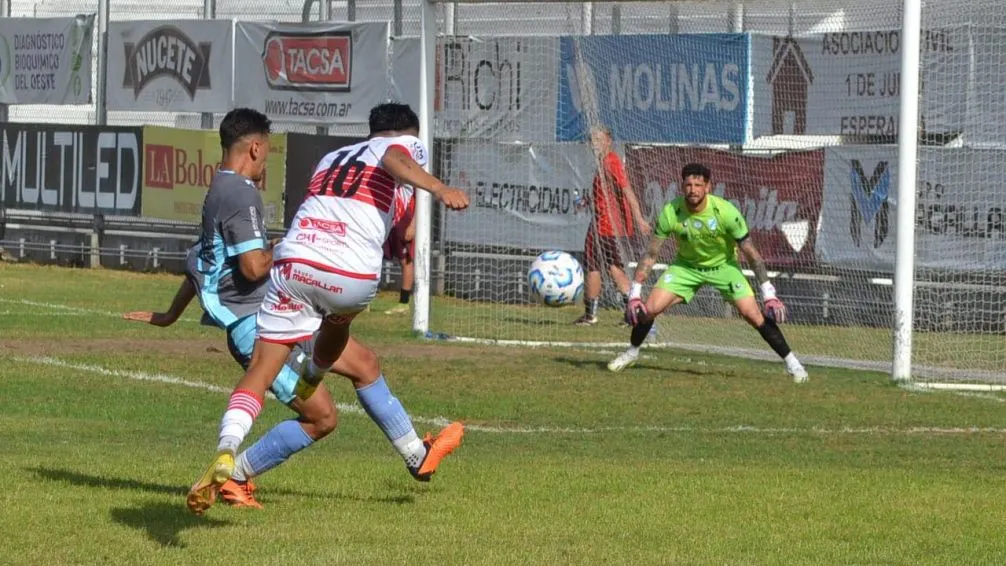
[(624, 360), (204, 492), (586, 320), (239, 494), (437, 449), (796, 369)]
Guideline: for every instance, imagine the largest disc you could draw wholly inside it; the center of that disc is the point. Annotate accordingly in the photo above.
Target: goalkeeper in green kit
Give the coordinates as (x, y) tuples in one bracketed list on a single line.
[(708, 230)]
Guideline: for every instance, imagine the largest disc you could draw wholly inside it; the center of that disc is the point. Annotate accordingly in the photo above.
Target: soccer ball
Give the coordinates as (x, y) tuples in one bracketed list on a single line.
[(556, 278)]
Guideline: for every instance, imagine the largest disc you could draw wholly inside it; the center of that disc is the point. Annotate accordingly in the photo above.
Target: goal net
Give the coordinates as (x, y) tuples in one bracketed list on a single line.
[(794, 106)]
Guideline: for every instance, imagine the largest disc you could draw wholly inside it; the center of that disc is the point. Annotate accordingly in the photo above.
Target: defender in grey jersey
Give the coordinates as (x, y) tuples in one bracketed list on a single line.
[(228, 270)]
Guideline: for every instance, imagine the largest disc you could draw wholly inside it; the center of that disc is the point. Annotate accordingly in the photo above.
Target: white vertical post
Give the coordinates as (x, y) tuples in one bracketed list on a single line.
[(101, 99), (209, 9), (424, 202), (908, 146)]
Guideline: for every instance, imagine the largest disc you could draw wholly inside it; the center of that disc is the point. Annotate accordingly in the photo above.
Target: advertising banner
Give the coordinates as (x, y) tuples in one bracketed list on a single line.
[(779, 196), (959, 214), (321, 73), (654, 88), (848, 83), (303, 153), (170, 66), (46, 60), (522, 196), (178, 166), (60, 168)]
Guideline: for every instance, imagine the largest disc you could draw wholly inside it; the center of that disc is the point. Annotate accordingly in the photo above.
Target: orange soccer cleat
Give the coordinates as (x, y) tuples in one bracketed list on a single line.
[(437, 449), (239, 494)]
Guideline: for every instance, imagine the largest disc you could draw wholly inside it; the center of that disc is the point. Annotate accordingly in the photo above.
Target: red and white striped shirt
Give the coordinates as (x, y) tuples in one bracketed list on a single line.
[(348, 213)]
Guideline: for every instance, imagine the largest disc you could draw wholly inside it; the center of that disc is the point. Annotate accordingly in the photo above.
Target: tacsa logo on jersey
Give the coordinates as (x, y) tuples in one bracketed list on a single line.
[(309, 61), (869, 206), (166, 51)]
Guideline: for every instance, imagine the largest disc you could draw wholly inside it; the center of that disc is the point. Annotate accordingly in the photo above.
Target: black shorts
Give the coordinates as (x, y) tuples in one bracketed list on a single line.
[(602, 252)]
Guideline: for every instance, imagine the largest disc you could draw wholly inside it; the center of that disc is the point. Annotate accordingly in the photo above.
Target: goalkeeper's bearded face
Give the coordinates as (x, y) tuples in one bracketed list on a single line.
[(695, 189)]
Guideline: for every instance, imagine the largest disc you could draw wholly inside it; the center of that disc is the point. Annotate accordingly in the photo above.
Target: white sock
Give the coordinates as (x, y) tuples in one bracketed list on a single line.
[(242, 471), (411, 448), (242, 409), (791, 360), (633, 351), (233, 429)]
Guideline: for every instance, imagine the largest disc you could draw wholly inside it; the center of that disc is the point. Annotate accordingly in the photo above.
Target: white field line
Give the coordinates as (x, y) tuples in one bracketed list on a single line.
[(442, 421), (63, 310)]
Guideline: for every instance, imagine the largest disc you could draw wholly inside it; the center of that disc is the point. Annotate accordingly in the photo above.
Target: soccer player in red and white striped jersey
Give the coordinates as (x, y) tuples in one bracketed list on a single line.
[(325, 272)]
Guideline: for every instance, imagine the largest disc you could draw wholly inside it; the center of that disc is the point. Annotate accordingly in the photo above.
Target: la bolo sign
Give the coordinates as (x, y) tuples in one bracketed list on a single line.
[(179, 166)]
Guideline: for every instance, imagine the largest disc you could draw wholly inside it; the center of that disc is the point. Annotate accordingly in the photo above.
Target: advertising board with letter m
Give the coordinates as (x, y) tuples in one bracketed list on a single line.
[(655, 88)]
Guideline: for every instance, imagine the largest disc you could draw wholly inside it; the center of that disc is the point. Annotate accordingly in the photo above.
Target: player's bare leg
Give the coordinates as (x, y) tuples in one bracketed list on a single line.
[(242, 409), (591, 296), (659, 301), (622, 284), (422, 456), (748, 308), (408, 278)]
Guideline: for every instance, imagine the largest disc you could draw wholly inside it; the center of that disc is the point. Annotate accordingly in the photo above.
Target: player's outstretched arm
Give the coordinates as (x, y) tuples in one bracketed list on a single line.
[(773, 305), (403, 167), (186, 292)]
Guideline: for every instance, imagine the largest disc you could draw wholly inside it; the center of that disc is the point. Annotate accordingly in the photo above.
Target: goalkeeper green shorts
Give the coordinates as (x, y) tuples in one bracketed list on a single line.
[(684, 281)]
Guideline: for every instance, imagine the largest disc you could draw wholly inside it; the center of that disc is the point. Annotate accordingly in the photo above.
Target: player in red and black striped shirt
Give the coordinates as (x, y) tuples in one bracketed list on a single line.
[(617, 216)]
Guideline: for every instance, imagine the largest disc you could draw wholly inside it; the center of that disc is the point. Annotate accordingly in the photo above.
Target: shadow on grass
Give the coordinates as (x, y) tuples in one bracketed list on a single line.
[(163, 521), (581, 363), (105, 482)]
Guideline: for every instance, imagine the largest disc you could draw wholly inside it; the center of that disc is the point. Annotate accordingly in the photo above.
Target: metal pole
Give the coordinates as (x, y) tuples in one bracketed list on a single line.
[(350, 10), (397, 15), (908, 153), (587, 18), (101, 98), (209, 13), (325, 14), (424, 208), (616, 18), (5, 12), (447, 149)]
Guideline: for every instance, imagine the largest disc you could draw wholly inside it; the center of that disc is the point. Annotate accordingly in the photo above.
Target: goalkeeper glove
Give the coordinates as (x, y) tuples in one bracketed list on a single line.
[(635, 309), (774, 308)]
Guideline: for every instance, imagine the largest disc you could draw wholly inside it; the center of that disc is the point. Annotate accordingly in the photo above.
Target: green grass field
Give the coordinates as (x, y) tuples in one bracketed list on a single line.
[(686, 459)]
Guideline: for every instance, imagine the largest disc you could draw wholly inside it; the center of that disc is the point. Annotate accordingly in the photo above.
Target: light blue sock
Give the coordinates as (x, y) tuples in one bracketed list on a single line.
[(385, 410), (275, 447)]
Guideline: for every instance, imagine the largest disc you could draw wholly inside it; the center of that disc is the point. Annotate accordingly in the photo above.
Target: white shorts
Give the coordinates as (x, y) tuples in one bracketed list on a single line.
[(299, 296)]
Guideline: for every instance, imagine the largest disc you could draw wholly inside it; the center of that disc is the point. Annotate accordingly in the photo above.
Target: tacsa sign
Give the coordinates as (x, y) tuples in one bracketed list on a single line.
[(79, 169), (309, 61)]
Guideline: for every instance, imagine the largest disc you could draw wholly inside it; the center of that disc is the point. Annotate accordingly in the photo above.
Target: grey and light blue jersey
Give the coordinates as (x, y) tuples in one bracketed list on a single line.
[(232, 224)]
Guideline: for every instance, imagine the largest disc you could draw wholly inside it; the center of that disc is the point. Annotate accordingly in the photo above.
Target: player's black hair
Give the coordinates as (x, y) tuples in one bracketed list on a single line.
[(696, 170), (242, 122), (392, 117)]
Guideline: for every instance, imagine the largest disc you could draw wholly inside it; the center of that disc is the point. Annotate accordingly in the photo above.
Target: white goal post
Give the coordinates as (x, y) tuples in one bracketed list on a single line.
[(925, 306)]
